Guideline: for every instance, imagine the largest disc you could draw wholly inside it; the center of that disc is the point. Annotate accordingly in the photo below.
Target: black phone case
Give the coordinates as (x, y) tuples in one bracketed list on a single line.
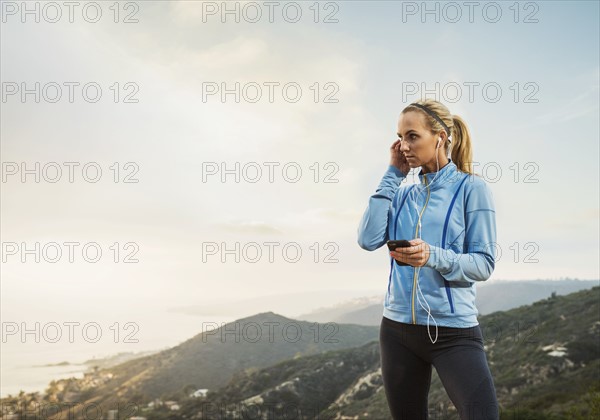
[(398, 243)]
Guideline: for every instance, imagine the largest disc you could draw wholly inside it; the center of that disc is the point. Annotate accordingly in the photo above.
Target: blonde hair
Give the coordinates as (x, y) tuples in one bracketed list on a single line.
[(462, 152)]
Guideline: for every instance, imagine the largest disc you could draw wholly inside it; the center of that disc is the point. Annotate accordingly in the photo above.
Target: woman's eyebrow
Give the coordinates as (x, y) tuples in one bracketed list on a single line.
[(409, 131)]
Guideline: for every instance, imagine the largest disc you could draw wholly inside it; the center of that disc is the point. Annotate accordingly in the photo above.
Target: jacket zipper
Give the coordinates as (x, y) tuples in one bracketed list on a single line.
[(414, 318)]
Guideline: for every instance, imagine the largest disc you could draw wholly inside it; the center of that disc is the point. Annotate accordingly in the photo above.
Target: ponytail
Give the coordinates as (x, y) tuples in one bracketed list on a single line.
[(462, 152)]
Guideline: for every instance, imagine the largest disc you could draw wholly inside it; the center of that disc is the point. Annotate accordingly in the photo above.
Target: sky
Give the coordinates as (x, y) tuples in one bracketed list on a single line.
[(162, 137)]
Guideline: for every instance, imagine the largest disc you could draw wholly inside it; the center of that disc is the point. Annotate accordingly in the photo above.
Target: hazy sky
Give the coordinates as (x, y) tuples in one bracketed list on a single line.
[(536, 122)]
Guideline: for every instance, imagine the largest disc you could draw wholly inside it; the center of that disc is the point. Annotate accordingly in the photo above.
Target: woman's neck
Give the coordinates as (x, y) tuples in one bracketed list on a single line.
[(432, 166)]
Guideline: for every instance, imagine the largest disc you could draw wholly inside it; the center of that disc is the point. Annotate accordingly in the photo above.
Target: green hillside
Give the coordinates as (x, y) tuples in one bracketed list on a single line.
[(207, 360), (545, 359)]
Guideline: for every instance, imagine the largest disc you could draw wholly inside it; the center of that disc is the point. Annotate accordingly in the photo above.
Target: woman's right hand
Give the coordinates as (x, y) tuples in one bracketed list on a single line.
[(397, 158)]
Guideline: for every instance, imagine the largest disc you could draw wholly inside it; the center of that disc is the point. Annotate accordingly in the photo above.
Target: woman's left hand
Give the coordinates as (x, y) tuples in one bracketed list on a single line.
[(415, 255)]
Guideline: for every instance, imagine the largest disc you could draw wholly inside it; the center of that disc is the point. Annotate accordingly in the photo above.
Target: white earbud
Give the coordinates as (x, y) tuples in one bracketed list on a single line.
[(438, 144)]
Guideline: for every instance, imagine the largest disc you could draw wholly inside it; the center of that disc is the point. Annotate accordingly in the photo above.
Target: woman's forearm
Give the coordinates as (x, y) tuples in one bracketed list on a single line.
[(372, 229)]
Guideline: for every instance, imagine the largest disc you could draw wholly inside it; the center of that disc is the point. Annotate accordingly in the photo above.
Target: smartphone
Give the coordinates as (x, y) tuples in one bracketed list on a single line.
[(399, 243)]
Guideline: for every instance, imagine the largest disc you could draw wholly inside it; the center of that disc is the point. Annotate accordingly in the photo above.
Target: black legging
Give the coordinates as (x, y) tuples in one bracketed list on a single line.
[(459, 359)]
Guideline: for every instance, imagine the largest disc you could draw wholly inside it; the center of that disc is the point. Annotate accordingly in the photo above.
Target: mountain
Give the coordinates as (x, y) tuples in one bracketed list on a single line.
[(544, 357), (341, 310), (493, 296), (209, 359), (505, 295)]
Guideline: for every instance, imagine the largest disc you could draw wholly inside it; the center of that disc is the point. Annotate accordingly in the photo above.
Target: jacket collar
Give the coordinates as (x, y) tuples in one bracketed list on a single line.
[(442, 174)]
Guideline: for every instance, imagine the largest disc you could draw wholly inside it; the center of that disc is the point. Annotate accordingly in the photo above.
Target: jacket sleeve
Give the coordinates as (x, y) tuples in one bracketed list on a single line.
[(372, 230), (478, 260)]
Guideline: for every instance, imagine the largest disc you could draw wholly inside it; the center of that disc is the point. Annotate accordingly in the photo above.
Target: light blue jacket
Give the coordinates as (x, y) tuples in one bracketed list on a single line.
[(458, 221)]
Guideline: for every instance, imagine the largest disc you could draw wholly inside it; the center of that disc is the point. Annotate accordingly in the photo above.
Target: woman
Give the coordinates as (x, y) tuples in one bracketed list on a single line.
[(429, 313)]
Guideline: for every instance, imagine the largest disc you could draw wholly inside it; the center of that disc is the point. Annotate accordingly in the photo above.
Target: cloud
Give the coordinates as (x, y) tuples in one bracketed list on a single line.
[(252, 227), (320, 216), (312, 220), (582, 219), (239, 51), (582, 104)]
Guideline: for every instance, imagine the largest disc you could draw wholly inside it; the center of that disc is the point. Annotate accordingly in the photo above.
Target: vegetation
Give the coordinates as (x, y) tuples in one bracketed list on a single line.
[(544, 357)]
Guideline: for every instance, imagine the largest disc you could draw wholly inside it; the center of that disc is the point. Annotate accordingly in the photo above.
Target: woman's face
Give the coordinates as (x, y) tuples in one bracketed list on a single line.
[(418, 143)]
